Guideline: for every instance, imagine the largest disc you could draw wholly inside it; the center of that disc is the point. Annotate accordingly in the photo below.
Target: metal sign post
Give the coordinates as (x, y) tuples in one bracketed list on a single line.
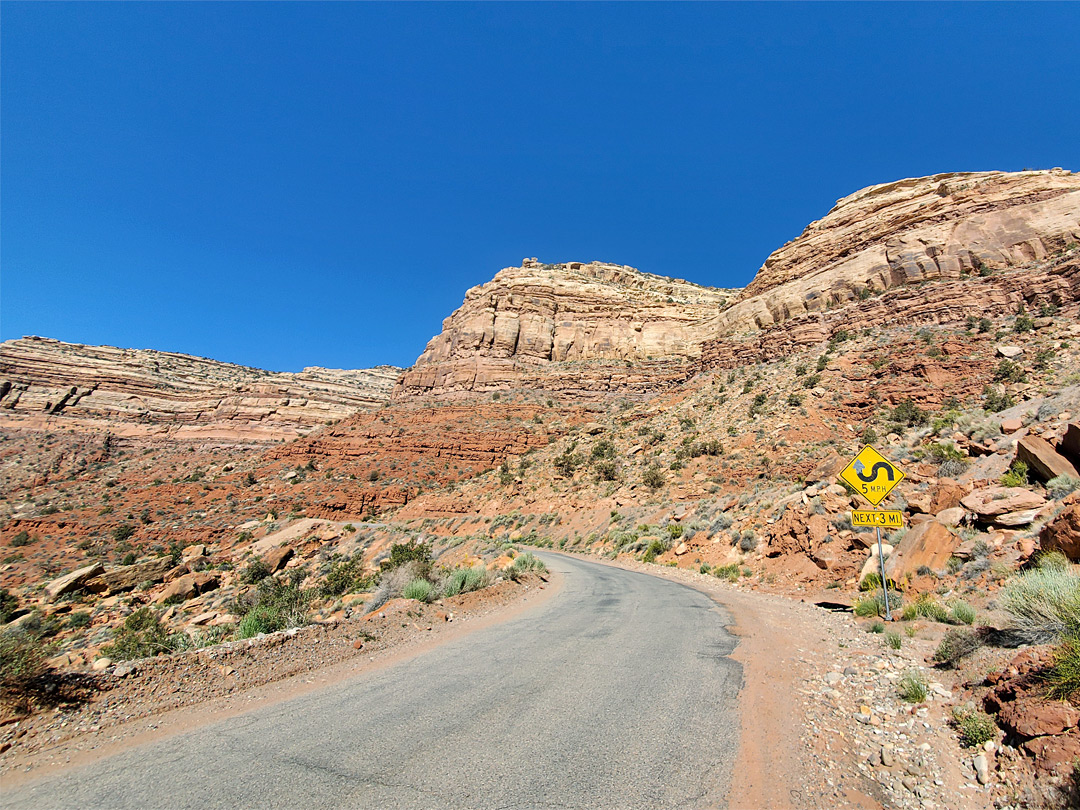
[(873, 476)]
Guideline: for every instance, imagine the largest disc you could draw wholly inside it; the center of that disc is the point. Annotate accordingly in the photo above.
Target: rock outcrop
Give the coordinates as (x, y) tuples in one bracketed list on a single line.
[(143, 392), (584, 331)]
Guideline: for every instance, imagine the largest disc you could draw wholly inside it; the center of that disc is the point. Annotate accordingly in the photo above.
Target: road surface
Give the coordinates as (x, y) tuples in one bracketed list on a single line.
[(615, 693)]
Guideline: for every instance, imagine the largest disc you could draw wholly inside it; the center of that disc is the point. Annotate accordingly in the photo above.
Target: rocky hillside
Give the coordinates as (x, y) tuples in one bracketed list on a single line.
[(584, 331), (137, 392)]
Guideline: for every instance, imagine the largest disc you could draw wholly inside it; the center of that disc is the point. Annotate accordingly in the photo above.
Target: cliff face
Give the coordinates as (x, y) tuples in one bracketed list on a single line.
[(142, 392), (939, 227), (582, 330)]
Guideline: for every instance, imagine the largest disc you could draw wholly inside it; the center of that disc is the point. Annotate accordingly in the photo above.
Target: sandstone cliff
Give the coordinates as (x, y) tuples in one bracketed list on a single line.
[(142, 392), (583, 330), (939, 227)]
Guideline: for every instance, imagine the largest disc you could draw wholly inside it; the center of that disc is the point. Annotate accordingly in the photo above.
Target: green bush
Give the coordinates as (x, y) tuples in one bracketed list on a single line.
[(412, 551), (893, 640), (123, 532), (1064, 673), (346, 576), (1044, 603), (907, 413), (874, 604), (463, 580), (275, 605), (912, 687), (22, 665), (141, 636), (9, 604), (1017, 476), (961, 612), (653, 478), (1009, 371), (728, 572), (255, 571), (996, 400), (974, 727), (23, 538), (876, 628), (524, 563), (418, 589)]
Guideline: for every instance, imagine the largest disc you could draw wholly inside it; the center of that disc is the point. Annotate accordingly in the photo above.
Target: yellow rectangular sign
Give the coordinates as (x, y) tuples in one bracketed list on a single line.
[(872, 475), (890, 519)]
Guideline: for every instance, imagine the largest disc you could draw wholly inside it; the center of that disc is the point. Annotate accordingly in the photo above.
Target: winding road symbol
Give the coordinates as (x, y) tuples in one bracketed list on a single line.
[(872, 475), (881, 465)]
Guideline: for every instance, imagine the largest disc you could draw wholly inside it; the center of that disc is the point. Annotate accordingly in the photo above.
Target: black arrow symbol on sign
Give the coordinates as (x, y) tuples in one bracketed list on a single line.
[(881, 465)]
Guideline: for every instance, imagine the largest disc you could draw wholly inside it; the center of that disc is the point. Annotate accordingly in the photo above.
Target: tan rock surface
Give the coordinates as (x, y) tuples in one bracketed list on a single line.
[(48, 383), (1042, 459)]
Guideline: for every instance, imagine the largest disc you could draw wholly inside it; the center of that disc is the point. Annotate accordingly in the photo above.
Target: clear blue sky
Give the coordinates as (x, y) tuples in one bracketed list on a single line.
[(297, 184)]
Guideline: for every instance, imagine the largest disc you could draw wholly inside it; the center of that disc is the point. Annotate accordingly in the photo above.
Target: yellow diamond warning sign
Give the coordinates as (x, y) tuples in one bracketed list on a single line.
[(872, 475)]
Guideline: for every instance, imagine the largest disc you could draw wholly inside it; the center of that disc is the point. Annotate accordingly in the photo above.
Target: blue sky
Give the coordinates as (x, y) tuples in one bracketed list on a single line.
[(285, 185)]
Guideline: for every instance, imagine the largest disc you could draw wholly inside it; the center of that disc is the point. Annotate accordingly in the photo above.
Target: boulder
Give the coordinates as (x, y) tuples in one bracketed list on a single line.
[(1009, 352), (990, 502), (1070, 443), (1012, 424), (951, 516), (1042, 459), (276, 558), (193, 551), (929, 544), (1036, 717), (1063, 533), (1055, 754), (947, 494), (73, 581), (127, 577), (188, 587), (872, 566), (1012, 520)]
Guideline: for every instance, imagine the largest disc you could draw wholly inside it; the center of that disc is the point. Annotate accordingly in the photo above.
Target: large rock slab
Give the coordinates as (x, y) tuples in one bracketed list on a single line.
[(990, 502), (127, 577), (188, 587), (1070, 444), (1042, 459), (73, 581), (1063, 533), (928, 544)]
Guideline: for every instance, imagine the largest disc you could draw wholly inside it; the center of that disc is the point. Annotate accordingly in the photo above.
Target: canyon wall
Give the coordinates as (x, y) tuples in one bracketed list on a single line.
[(137, 392)]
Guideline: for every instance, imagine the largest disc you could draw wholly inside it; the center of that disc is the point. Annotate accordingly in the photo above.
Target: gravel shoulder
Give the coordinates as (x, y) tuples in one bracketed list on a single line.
[(822, 725)]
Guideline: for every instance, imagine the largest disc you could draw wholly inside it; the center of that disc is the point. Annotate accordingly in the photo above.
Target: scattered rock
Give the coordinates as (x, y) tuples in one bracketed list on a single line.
[(101, 664), (1009, 352), (275, 559)]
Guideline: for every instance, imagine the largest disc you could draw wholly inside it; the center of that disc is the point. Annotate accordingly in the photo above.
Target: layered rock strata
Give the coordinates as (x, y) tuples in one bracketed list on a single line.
[(140, 392), (581, 330)]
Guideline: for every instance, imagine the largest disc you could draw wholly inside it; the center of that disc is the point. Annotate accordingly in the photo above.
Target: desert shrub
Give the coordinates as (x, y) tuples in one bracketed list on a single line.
[(22, 663), (78, 620), (1009, 371), (123, 532), (961, 612), (391, 584), (957, 644), (912, 687), (23, 538), (418, 589), (566, 463), (270, 607), (985, 325), (606, 470), (653, 477), (1023, 323), (1044, 603), (1062, 485), (728, 572), (720, 522), (346, 576), (9, 604), (893, 640), (996, 399), (758, 404), (1052, 560), (1017, 475), (602, 449), (907, 413), (524, 563), (974, 727), (874, 604), (939, 452), (255, 571), (411, 551), (876, 627), (141, 636), (655, 548), (1064, 673), (748, 542)]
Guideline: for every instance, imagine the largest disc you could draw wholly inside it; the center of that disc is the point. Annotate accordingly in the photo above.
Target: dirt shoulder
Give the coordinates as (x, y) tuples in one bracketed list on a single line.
[(171, 694), (822, 723)]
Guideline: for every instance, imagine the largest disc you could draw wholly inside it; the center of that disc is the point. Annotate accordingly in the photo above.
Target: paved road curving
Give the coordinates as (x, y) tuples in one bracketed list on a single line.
[(615, 693)]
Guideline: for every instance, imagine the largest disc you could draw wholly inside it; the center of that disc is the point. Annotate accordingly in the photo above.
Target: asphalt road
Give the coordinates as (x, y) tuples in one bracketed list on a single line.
[(615, 693)]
